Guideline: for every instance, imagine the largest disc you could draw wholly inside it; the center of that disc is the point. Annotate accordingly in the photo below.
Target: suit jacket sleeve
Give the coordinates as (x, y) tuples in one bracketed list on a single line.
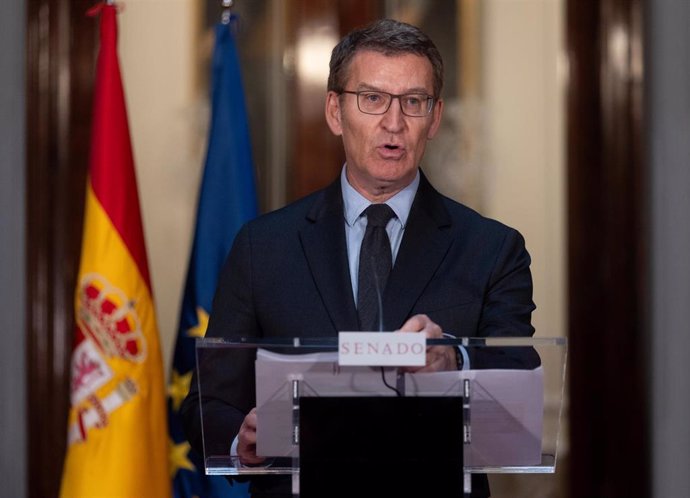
[(227, 376), (507, 307), (508, 302)]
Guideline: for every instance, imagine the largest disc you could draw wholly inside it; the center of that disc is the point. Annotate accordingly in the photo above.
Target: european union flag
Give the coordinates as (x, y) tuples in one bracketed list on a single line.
[(227, 200)]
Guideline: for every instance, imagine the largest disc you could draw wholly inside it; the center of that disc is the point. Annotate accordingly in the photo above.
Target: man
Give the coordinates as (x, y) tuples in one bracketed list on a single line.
[(306, 270)]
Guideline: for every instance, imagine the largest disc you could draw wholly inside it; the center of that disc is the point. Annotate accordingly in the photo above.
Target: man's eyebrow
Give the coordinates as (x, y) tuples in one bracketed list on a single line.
[(363, 87), (366, 87)]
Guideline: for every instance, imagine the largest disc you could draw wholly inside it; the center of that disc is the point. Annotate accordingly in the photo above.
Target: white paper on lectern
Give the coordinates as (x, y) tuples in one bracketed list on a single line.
[(506, 405), (507, 408), (319, 374)]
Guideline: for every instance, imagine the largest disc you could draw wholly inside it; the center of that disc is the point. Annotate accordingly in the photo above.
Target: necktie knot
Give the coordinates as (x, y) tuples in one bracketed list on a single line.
[(378, 215)]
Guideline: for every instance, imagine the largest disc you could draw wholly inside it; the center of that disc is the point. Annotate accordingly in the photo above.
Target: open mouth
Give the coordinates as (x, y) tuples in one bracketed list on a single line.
[(392, 151)]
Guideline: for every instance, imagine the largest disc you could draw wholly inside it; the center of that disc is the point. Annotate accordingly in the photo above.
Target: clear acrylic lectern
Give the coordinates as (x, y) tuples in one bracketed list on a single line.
[(500, 414)]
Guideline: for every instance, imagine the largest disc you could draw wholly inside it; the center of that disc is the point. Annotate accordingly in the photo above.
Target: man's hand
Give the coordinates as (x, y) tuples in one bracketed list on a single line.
[(438, 358), (246, 441)]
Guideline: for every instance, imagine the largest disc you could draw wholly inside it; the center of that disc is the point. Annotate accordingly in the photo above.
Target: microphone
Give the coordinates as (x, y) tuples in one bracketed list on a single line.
[(379, 298), (400, 388)]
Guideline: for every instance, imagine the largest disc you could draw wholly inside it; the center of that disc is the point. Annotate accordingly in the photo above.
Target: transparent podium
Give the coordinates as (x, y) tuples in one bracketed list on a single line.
[(318, 420)]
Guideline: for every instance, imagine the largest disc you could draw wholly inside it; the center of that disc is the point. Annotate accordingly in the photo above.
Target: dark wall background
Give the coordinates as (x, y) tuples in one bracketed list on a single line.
[(668, 109), (60, 58), (607, 189), (12, 223)]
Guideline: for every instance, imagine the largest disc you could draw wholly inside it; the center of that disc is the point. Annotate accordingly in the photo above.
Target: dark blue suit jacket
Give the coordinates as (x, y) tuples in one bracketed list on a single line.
[(287, 275)]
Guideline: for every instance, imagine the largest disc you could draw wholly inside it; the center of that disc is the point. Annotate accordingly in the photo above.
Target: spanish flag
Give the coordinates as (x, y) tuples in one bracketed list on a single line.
[(117, 431)]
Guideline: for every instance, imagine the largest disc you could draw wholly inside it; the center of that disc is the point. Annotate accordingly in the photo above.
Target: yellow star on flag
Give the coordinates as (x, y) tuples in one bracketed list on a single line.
[(179, 387), (177, 454), (202, 323)]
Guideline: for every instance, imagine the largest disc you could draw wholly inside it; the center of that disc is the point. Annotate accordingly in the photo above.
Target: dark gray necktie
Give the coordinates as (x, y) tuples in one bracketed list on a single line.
[(375, 262)]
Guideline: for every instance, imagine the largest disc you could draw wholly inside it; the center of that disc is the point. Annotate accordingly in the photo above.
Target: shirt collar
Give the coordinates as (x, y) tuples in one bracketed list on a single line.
[(354, 202)]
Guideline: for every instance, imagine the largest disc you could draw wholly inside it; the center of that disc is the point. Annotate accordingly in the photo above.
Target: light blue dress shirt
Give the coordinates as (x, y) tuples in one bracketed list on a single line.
[(354, 205)]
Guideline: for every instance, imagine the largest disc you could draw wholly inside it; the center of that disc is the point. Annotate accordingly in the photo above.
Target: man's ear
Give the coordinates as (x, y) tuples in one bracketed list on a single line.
[(436, 114), (333, 113)]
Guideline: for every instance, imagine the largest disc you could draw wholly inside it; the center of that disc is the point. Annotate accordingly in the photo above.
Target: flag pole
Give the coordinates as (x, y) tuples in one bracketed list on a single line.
[(227, 6)]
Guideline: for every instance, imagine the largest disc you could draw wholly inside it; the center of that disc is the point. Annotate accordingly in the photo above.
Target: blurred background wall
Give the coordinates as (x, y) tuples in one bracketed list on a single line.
[(164, 62)]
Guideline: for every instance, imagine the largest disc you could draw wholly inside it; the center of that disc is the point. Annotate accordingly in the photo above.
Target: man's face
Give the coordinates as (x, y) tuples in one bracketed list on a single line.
[(383, 151)]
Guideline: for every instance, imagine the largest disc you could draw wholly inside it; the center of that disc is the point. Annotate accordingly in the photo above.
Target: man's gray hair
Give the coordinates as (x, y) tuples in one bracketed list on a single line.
[(389, 37)]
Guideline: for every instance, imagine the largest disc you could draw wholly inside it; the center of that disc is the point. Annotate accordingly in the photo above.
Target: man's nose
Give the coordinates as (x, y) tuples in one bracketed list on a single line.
[(394, 119)]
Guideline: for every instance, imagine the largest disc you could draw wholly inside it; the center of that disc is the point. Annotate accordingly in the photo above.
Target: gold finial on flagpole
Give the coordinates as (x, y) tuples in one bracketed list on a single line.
[(227, 5)]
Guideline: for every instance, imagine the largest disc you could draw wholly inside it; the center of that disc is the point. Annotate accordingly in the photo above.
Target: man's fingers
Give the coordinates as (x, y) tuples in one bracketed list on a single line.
[(246, 441), (250, 419), (437, 357), (246, 437), (414, 324), (247, 432), (433, 330), (422, 323)]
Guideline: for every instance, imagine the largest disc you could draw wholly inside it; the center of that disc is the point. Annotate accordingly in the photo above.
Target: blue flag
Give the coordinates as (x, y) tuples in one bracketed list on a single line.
[(227, 200)]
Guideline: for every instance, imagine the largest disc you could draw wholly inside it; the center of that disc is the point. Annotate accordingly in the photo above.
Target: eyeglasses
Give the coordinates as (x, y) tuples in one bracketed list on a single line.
[(416, 105)]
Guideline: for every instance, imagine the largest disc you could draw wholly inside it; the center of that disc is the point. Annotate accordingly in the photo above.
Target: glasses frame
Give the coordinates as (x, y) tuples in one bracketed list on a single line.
[(430, 102)]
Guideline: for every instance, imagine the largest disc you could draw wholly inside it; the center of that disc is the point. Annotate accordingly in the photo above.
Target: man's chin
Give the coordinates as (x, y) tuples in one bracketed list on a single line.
[(394, 177)]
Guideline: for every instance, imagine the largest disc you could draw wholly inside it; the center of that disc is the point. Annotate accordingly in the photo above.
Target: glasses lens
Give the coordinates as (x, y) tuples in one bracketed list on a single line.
[(412, 104), (373, 102), (415, 104)]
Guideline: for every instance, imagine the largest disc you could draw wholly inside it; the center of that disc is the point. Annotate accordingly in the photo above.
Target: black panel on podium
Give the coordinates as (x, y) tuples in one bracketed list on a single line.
[(376, 447)]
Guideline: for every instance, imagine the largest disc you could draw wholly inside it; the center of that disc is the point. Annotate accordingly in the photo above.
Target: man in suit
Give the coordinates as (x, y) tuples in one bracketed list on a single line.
[(302, 270)]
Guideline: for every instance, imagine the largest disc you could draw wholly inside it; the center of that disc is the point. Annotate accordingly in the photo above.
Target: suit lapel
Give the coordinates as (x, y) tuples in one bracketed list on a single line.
[(424, 245), (324, 245)]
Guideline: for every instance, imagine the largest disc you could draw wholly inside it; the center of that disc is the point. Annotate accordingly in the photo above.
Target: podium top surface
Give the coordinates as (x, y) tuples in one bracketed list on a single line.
[(332, 342)]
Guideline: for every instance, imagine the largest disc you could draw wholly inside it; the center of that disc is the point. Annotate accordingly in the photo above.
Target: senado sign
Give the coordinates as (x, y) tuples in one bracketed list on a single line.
[(382, 349)]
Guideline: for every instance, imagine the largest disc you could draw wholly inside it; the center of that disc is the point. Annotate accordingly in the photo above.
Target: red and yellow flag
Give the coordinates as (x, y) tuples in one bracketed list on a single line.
[(117, 432)]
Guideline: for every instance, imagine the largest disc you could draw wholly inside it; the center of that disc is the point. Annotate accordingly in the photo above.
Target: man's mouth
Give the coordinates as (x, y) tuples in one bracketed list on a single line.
[(391, 151)]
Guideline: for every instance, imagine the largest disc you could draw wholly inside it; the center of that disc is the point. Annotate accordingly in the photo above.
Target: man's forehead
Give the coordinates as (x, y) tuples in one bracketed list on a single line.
[(376, 70)]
